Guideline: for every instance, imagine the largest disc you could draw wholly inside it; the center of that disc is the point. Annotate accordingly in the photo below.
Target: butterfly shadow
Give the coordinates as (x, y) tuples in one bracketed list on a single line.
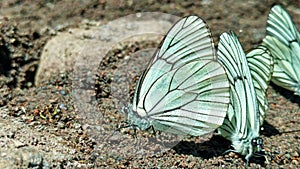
[(269, 130), (214, 147), (5, 61), (286, 93)]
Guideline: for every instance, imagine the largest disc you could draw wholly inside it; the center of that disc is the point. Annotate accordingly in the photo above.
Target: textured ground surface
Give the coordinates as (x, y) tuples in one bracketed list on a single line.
[(44, 126)]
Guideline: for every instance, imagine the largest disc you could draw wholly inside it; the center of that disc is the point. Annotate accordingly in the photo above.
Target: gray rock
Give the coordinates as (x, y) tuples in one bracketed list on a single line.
[(84, 48)]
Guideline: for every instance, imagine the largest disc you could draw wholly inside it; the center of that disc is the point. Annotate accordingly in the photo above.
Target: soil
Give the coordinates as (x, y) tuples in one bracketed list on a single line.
[(41, 126)]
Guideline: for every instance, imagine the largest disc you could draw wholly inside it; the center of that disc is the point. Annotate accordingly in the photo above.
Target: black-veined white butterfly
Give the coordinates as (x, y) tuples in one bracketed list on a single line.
[(283, 41), (183, 90), (241, 125), (261, 66)]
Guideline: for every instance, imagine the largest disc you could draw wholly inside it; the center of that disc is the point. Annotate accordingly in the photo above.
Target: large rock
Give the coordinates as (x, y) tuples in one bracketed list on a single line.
[(84, 48)]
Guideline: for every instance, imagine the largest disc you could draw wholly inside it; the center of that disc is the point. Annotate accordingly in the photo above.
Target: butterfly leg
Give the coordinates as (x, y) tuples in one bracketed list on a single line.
[(228, 151)]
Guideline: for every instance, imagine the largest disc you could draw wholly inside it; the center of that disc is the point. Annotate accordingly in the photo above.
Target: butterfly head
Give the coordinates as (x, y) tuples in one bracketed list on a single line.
[(257, 144), (256, 148), (134, 120), (249, 147)]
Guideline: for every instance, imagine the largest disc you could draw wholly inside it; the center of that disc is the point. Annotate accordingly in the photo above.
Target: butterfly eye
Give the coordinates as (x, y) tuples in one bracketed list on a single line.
[(257, 141), (254, 143), (124, 110)]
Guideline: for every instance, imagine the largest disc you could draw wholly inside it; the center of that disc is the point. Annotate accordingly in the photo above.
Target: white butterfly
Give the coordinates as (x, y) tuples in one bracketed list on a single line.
[(183, 90), (283, 41), (261, 66), (241, 125)]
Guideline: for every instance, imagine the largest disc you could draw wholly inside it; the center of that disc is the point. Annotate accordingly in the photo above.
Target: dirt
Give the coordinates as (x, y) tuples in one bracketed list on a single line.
[(41, 126)]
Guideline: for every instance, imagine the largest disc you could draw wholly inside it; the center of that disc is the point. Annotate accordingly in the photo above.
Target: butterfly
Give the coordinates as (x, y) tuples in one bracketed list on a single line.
[(283, 41), (241, 125), (183, 90)]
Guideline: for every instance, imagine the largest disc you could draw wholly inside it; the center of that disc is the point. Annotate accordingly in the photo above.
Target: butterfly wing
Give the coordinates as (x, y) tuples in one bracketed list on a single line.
[(261, 66), (241, 124), (283, 41), (185, 41), (184, 90), (281, 26)]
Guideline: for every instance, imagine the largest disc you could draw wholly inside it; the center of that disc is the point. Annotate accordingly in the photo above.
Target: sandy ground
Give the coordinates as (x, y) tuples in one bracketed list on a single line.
[(41, 127)]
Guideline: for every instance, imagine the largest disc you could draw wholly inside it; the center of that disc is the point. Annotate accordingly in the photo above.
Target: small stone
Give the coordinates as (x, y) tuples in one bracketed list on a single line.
[(287, 156), (36, 159), (295, 162), (86, 126), (62, 92), (295, 154), (77, 125), (63, 106), (11, 134), (60, 125), (72, 151), (18, 144), (231, 154)]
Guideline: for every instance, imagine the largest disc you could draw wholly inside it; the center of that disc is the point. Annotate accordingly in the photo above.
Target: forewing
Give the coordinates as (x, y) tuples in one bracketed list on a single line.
[(244, 112), (187, 40), (261, 66), (184, 90)]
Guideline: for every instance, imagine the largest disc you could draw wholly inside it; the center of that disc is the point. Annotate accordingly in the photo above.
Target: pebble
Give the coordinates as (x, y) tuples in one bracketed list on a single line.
[(295, 154), (18, 144), (72, 151), (36, 159), (296, 162), (62, 92), (190, 158), (61, 125), (232, 154), (86, 126), (287, 156), (77, 125), (63, 106), (11, 134)]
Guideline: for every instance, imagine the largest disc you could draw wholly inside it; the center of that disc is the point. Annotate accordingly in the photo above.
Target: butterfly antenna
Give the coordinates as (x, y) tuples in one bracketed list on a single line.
[(291, 131)]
